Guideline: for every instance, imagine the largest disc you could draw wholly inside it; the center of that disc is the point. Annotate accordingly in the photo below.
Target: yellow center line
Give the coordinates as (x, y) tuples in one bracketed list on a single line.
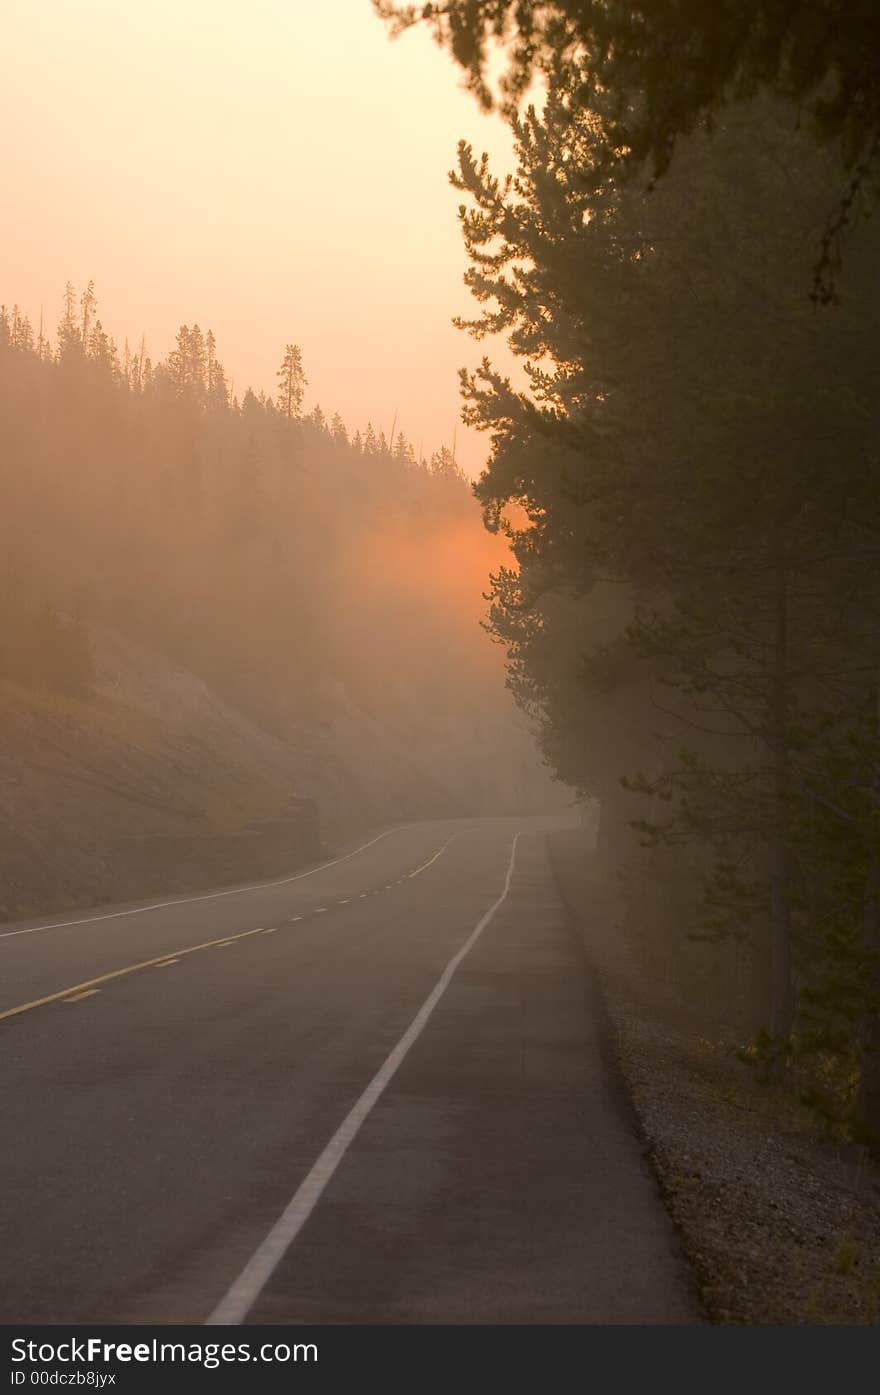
[(91, 983), (90, 986)]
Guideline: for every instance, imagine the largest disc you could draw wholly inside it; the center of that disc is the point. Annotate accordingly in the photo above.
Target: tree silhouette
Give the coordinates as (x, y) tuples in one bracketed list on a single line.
[(292, 382)]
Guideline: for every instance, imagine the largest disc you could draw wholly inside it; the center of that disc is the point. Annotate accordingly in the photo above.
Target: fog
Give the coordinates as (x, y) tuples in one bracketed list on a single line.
[(305, 575), (439, 631)]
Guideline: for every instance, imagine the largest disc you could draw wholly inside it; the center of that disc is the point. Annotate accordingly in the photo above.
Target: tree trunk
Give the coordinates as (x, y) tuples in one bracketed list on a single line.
[(781, 988), (868, 1096)]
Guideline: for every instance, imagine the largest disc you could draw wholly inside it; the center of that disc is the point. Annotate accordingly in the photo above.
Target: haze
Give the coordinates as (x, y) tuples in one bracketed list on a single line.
[(274, 170), (403, 923)]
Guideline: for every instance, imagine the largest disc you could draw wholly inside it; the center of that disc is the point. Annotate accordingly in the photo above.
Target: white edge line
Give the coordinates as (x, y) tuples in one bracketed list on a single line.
[(234, 1307), (208, 896)]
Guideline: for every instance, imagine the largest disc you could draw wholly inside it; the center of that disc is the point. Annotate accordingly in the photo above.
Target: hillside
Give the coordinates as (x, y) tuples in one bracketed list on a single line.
[(155, 783), (212, 607)]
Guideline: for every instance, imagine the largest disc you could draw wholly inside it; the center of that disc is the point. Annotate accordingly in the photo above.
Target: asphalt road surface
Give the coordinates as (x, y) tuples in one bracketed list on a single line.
[(373, 1092)]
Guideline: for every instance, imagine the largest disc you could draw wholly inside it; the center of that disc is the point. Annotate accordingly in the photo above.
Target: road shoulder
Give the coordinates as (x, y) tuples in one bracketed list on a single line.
[(779, 1227)]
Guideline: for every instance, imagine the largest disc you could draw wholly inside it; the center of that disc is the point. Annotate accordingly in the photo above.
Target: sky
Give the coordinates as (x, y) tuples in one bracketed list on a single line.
[(274, 170)]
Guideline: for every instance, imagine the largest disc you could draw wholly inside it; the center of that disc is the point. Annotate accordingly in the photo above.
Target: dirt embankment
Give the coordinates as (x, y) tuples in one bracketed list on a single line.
[(153, 784), (780, 1226), (158, 783)]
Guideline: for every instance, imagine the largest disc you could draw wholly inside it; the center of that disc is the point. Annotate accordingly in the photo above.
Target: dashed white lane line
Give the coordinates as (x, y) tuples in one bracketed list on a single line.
[(234, 1307), (377, 891), (207, 896), (86, 990)]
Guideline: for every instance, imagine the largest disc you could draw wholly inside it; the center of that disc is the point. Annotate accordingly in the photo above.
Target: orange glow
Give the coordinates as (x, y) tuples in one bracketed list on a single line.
[(453, 564), (448, 567), (276, 171), (516, 517)]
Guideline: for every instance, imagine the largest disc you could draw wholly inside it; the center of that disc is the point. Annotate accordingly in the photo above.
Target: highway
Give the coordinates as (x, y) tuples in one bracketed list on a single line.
[(377, 1091)]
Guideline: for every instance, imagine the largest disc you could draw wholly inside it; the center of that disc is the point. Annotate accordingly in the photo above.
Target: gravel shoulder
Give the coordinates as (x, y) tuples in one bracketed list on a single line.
[(780, 1226)]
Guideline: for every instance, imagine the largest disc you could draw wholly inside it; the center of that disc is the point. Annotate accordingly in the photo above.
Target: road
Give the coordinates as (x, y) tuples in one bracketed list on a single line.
[(376, 1091)]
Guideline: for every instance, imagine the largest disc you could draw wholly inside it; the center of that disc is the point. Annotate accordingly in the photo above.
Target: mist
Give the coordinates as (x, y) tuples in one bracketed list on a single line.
[(328, 587), (439, 679)]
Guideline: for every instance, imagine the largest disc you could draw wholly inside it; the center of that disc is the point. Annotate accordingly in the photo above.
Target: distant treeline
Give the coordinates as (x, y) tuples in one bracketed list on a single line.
[(696, 617), (231, 533)]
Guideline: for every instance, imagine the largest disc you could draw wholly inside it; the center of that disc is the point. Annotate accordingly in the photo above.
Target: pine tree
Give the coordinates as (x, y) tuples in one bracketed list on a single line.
[(21, 333), (403, 450), (69, 336), (187, 364), (216, 387), (292, 383), (443, 463), (643, 105), (100, 347), (176, 363), (88, 307), (694, 436), (196, 364)]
